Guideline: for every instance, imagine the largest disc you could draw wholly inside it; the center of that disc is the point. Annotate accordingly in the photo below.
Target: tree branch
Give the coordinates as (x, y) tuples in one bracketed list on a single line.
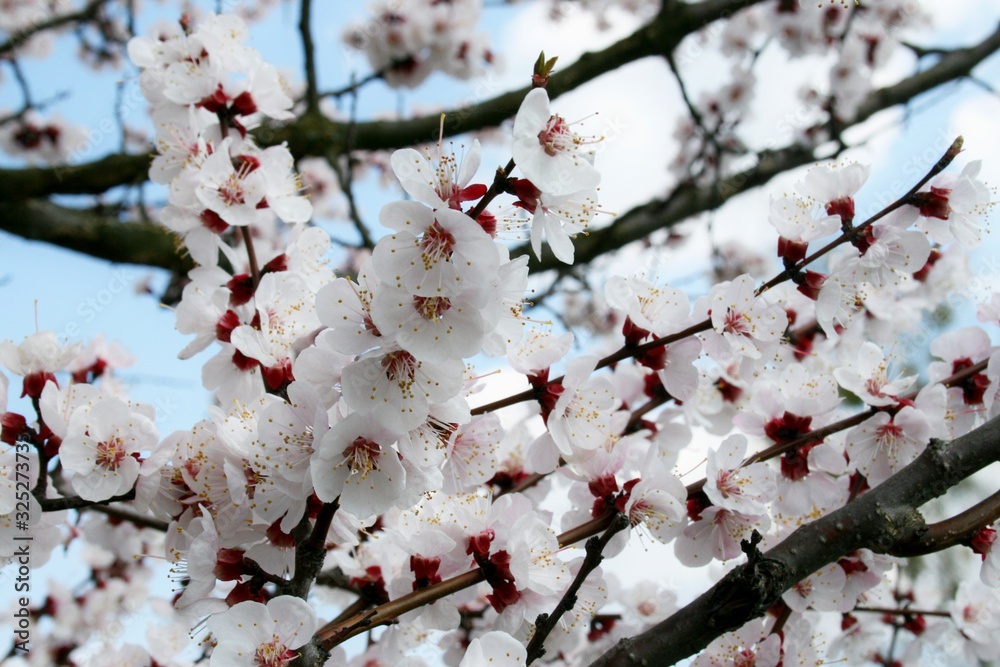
[(76, 502), (18, 38), (688, 199), (546, 623), (313, 134), (88, 178), (341, 630), (879, 520), (309, 56), (97, 234), (954, 531)]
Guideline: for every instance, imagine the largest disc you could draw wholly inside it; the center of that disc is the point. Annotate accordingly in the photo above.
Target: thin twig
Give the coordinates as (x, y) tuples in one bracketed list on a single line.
[(354, 86), (332, 633), (251, 256), (499, 182), (901, 612), (546, 623), (627, 352), (345, 174), (959, 529)]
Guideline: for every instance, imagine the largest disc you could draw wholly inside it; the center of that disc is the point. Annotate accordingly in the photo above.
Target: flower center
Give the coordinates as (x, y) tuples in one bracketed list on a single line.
[(431, 308), (737, 322), (556, 137), (888, 435), (399, 366), (728, 483), (274, 654), (111, 453), (437, 245), (874, 384), (363, 455), (232, 192), (745, 658)]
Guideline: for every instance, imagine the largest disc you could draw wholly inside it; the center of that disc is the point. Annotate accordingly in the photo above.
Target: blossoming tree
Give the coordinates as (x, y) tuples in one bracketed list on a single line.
[(349, 478)]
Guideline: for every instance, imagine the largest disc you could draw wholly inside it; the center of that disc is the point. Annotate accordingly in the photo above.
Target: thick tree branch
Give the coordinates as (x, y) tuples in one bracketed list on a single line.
[(310, 551), (82, 179), (879, 520), (97, 234)]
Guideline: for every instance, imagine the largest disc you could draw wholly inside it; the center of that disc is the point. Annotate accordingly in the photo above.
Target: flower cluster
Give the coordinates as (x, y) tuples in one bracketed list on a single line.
[(405, 42), (344, 439)]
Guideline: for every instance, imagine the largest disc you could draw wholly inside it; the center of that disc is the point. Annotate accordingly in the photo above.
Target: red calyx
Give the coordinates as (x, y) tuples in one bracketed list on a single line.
[(91, 372), (654, 359), (468, 193), (13, 426), (915, 624), (279, 375), (863, 242), (696, 504), (507, 479), (730, 392), (974, 386), (224, 327), (246, 591), (488, 222), (932, 259), (217, 102), (213, 221), (810, 283), (600, 625), (34, 383), (634, 334), (371, 585), (803, 341), (548, 397), (791, 251), (795, 463), (425, 571), (527, 194), (278, 537), (243, 362), (504, 594), (622, 499), (244, 104), (982, 542), (844, 207), (787, 427), (229, 565), (240, 289), (479, 545), (933, 204), (279, 263)]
